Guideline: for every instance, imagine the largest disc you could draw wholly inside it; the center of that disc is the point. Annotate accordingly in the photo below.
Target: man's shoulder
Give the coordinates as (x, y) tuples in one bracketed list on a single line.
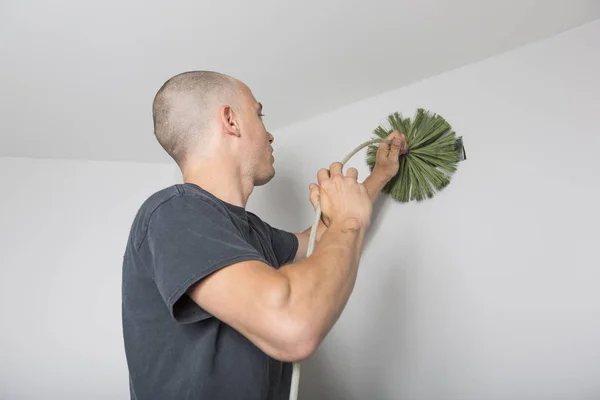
[(174, 200), (177, 195), (158, 198)]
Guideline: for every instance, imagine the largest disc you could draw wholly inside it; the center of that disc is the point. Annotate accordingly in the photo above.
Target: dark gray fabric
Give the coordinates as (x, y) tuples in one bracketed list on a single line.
[(174, 348)]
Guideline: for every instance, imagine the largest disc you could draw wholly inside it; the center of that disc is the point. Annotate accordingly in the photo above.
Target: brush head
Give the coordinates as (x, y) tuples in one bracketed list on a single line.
[(434, 152)]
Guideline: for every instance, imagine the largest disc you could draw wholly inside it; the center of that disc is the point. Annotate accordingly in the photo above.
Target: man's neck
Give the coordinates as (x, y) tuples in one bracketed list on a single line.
[(222, 179)]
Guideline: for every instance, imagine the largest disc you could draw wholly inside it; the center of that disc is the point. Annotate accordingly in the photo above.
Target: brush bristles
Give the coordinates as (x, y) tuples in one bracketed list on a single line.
[(434, 151)]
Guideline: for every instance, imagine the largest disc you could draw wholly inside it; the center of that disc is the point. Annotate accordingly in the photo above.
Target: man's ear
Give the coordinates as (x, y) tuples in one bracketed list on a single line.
[(228, 120)]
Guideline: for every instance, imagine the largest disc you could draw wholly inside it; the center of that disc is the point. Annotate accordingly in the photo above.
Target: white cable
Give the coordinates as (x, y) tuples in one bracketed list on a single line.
[(311, 245)]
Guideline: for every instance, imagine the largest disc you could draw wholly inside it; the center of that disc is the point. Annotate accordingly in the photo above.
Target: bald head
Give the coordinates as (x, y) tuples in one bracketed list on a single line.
[(185, 106)]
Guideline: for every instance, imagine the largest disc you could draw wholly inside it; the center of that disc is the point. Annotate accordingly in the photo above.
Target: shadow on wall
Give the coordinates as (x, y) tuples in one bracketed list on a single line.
[(381, 337), (369, 374), (380, 206)]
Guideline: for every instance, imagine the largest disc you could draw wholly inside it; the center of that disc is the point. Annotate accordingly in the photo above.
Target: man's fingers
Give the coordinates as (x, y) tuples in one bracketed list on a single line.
[(335, 169), (322, 175), (384, 147), (398, 145), (352, 173), (393, 135), (404, 147)]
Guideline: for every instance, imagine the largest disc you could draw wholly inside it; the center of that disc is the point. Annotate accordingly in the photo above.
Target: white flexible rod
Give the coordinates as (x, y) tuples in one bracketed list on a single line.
[(311, 245)]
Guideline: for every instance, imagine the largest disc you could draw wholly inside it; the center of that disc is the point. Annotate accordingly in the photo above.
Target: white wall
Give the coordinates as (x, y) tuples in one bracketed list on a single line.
[(63, 230), (489, 290)]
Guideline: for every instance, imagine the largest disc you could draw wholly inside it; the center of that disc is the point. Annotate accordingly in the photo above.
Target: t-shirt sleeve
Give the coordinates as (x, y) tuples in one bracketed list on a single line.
[(189, 238), (285, 244)]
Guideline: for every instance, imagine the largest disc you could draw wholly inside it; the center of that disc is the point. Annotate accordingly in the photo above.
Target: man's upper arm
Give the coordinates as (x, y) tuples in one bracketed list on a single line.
[(203, 267), (249, 296)]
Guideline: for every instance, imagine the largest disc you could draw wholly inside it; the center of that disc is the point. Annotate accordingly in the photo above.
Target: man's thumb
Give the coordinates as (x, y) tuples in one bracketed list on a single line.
[(396, 144)]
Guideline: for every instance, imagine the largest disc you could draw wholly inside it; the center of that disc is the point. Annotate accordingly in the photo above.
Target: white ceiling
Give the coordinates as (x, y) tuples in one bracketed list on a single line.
[(78, 78)]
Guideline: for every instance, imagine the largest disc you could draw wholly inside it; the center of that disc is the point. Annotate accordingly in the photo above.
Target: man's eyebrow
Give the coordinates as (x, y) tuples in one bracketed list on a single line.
[(260, 106)]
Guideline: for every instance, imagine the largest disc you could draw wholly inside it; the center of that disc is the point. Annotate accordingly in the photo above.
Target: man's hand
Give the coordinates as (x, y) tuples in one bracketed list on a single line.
[(341, 194), (387, 162), (342, 198), (387, 159)]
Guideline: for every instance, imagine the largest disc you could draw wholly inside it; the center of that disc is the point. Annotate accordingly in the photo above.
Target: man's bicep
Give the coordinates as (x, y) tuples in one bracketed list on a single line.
[(248, 296)]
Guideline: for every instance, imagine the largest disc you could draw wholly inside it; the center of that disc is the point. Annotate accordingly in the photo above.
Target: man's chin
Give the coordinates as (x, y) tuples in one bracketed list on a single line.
[(263, 180)]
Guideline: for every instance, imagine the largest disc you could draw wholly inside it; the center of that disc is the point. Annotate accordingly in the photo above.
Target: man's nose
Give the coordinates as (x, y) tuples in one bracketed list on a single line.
[(271, 138)]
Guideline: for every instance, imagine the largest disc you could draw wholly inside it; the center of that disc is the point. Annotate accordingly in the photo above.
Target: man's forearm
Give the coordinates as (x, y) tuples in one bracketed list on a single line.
[(320, 285), (374, 184)]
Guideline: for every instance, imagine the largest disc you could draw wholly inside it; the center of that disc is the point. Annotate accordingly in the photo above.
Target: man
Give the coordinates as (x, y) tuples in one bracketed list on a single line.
[(217, 304)]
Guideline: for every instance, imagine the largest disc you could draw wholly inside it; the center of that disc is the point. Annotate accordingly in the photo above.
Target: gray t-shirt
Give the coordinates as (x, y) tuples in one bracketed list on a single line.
[(175, 349)]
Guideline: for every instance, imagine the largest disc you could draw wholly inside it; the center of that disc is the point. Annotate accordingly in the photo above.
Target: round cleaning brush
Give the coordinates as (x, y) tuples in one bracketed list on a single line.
[(434, 151)]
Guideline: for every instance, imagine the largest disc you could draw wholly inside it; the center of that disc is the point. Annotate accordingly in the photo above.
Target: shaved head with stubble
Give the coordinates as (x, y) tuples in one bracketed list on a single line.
[(185, 107), (211, 125)]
